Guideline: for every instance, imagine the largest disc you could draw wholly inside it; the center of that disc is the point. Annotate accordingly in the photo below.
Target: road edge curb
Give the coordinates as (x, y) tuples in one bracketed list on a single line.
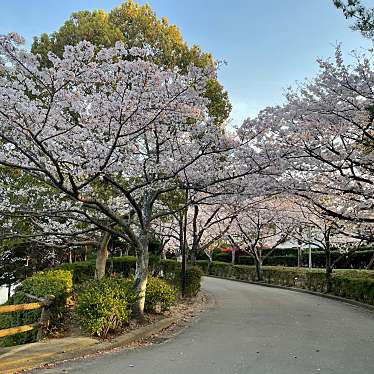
[(99, 347)]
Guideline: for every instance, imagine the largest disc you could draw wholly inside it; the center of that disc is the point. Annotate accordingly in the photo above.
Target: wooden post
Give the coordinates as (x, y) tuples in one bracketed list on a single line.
[(44, 318)]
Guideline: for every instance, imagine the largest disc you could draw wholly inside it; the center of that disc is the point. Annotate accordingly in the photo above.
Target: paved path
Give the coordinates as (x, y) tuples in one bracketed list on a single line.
[(254, 330)]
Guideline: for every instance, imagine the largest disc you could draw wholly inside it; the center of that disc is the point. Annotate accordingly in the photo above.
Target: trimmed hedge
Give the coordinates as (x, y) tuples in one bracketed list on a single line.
[(53, 282), (222, 256), (352, 284), (288, 257), (356, 260)]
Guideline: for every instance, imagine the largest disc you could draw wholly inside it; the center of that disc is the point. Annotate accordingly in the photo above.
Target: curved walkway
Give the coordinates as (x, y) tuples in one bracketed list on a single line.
[(254, 330)]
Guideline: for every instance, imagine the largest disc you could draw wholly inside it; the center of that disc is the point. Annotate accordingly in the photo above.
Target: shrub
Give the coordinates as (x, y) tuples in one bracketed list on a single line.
[(245, 260), (280, 252), (124, 265), (358, 288), (170, 269), (203, 265), (222, 256), (104, 305), (53, 282), (355, 260), (82, 271), (290, 260), (193, 280), (221, 269), (159, 294)]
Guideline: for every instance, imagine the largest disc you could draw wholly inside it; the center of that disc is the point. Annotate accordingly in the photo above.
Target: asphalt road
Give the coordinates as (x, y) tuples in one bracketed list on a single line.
[(254, 330)]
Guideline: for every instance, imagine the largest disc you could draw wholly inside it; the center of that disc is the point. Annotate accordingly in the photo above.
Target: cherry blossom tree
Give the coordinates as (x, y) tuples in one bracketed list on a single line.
[(261, 223), (324, 134), (114, 133), (325, 232), (34, 213)]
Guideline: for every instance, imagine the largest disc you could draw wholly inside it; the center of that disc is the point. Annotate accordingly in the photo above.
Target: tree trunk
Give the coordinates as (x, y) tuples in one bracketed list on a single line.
[(299, 254), (9, 289), (194, 251), (102, 255), (370, 264), (195, 240), (141, 273), (233, 251), (209, 264), (163, 254), (258, 269), (70, 257), (328, 265)]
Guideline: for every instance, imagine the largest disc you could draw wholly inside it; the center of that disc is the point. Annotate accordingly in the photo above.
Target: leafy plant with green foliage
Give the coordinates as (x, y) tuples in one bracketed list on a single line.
[(159, 294), (104, 305), (58, 283), (193, 280), (81, 271)]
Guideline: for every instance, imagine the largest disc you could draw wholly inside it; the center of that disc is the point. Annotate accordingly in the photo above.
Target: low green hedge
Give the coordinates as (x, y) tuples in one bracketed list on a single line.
[(53, 282), (352, 284), (357, 288)]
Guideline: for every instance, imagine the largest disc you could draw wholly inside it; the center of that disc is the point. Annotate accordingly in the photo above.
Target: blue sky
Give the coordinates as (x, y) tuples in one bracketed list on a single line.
[(268, 44)]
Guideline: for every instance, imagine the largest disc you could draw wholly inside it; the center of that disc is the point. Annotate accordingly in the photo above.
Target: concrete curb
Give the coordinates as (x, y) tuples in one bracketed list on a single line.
[(10, 363), (302, 290)]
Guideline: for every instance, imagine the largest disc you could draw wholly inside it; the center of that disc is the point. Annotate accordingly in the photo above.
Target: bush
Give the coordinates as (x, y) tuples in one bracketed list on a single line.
[(82, 271), (245, 260), (53, 282), (159, 294), (281, 252), (193, 280), (104, 305), (170, 269), (358, 288), (290, 260), (124, 266), (222, 256), (356, 260), (203, 265)]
